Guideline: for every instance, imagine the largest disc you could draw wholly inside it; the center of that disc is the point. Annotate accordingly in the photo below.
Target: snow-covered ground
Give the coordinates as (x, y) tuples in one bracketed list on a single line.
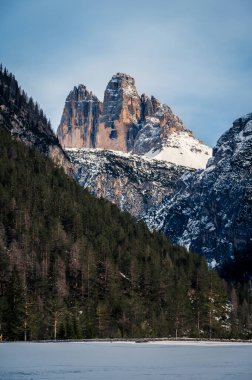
[(203, 343), (103, 361)]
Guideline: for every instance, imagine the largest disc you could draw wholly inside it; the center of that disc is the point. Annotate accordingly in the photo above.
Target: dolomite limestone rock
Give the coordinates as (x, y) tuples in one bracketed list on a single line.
[(121, 114), (128, 123), (80, 119)]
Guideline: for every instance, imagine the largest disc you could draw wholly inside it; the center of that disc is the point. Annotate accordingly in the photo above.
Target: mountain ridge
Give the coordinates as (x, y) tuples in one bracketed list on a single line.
[(215, 203)]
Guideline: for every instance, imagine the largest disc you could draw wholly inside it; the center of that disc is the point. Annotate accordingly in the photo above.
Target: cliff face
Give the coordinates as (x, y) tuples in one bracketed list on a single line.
[(121, 114), (133, 183), (80, 119), (127, 122), (113, 124), (210, 211), (158, 121)]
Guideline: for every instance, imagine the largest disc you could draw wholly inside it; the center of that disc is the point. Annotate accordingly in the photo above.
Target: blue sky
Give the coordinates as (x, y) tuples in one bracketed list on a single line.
[(194, 55)]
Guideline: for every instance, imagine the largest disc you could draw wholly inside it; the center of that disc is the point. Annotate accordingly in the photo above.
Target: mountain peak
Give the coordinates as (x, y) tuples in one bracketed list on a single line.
[(234, 143), (124, 122), (80, 117), (121, 82), (80, 93), (243, 119), (123, 76)]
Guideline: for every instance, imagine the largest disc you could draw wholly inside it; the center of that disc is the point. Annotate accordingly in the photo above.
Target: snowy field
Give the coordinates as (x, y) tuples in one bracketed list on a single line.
[(126, 361)]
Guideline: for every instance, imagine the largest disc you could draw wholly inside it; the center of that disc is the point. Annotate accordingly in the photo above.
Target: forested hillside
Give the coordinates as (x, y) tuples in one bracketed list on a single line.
[(26, 121), (72, 266)]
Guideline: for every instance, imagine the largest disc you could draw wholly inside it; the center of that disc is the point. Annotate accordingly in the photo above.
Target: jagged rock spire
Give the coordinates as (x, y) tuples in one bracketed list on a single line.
[(80, 119), (123, 122)]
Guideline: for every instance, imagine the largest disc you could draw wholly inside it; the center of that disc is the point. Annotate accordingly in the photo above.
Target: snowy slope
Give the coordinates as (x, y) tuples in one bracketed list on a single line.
[(181, 148)]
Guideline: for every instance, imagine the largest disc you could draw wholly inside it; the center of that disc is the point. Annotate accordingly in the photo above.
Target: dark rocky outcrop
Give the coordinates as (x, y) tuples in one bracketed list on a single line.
[(211, 210)]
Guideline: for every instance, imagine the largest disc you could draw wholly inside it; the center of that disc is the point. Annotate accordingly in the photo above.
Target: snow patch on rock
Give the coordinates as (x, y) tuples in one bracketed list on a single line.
[(183, 149)]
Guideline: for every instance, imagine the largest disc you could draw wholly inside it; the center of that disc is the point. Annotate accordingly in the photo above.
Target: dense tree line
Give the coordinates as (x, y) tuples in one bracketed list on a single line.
[(72, 266)]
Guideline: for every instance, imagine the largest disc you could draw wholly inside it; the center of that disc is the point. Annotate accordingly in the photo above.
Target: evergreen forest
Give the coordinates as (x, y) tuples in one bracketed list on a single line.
[(75, 267)]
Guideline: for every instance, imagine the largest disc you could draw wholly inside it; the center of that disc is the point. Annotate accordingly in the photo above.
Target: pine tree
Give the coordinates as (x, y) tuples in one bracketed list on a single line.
[(15, 313)]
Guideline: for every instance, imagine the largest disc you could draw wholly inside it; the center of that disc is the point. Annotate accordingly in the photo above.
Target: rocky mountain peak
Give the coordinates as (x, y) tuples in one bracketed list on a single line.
[(123, 81), (121, 100), (128, 122), (80, 93), (121, 112), (80, 119), (233, 143)]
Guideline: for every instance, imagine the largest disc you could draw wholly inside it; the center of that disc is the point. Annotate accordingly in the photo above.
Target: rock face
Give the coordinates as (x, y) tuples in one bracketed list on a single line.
[(210, 211), (113, 124), (121, 114), (158, 121), (134, 183), (128, 122), (80, 119)]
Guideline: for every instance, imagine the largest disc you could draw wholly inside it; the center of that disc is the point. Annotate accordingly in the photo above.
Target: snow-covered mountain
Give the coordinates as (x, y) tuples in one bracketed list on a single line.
[(129, 123), (210, 211), (141, 157), (130, 149)]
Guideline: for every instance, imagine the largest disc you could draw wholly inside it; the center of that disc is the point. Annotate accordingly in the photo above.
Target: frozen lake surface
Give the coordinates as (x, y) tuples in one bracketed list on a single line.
[(125, 361)]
